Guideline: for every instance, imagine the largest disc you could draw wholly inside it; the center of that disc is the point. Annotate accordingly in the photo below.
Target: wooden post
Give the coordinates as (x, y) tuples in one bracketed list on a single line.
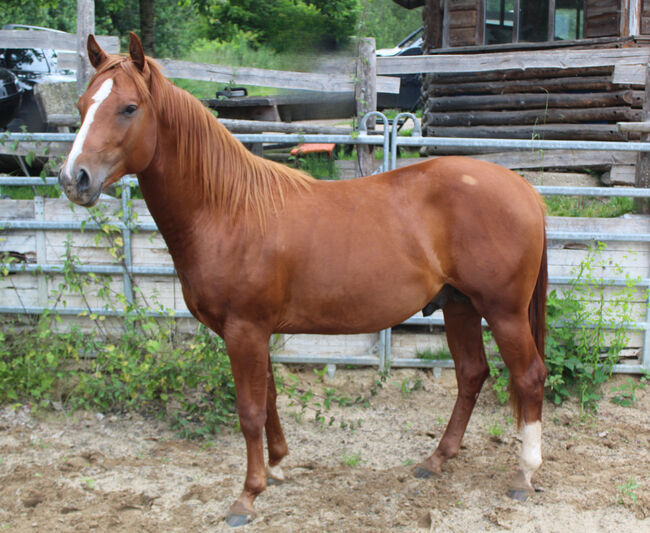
[(642, 173), (85, 26), (365, 96)]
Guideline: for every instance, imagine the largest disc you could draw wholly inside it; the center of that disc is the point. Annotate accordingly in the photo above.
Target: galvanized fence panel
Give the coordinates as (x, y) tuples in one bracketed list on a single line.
[(380, 355)]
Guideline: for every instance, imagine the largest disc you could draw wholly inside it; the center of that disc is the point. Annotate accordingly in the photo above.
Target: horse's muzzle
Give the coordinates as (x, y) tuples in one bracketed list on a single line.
[(78, 186)]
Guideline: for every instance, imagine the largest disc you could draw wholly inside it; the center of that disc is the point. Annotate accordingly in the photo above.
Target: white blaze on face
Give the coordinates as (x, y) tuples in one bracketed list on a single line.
[(531, 449), (80, 139)]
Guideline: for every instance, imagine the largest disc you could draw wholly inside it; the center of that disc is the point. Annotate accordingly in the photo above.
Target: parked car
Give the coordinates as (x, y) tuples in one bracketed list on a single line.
[(31, 66), (10, 97), (409, 97)]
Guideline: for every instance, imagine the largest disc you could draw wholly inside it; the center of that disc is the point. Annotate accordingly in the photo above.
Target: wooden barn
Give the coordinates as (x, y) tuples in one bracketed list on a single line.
[(545, 69)]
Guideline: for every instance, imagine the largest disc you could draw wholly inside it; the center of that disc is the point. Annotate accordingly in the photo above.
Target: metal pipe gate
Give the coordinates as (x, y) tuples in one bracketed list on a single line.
[(390, 141)]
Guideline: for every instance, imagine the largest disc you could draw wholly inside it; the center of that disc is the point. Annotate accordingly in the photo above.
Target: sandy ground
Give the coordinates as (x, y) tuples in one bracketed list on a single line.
[(123, 472)]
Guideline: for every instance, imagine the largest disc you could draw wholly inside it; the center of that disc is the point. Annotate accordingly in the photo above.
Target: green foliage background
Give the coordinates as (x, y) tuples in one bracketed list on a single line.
[(278, 25)]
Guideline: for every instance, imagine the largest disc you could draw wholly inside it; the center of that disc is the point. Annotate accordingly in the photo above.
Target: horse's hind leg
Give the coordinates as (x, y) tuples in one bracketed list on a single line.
[(465, 339), (275, 441), (513, 336)]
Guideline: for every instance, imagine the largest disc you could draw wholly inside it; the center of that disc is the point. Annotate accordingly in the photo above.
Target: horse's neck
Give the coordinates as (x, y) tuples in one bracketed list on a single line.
[(172, 202)]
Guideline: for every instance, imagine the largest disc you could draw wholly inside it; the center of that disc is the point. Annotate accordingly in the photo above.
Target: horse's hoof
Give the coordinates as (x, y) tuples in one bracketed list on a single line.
[(518, 494), (421, 472), (274, 475), (238, 520)]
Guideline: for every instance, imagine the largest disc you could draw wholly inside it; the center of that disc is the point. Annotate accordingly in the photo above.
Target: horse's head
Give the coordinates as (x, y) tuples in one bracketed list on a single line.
[(118, 125)]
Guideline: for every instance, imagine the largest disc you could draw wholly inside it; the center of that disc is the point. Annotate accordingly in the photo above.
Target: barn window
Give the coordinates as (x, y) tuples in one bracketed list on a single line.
[(568, 20), (508, 21)]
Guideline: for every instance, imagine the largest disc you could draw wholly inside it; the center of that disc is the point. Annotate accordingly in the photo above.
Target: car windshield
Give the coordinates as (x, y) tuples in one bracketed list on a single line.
[(26, 60)]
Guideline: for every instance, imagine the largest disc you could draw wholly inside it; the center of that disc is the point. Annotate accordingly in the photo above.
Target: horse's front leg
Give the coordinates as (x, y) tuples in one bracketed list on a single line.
[(248, 352), (276, 443)]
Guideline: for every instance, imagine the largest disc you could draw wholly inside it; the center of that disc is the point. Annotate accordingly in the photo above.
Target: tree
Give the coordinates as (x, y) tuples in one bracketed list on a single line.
[(285, 24)]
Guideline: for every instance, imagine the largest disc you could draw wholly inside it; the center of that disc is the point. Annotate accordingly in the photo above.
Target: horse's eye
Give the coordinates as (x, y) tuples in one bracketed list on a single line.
[(130, 109)]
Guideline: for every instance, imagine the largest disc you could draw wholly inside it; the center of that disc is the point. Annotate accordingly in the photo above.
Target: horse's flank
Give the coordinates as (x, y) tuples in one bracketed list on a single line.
[(231, 179)]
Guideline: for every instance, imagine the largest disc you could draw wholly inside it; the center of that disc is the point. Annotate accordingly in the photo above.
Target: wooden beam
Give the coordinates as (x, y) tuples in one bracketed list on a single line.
[(535, 100), (53, 40), (85, 27), (531, 116), (527, 159), (365, 96), (639, 127), (595, 132), (642, 174), (306, 81), (575, 83), (556, 59)]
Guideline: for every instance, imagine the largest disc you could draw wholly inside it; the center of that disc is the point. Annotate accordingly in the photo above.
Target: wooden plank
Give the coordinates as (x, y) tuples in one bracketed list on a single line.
[(365, 96), (336, 83), (516, 75), (52, 40), (619, 175), (85, 27), (533, 116), (528, 159), (642, 177), (534, 100), (253, 126), (462, 36), (462, 5), (550, 59), (632, 74), (462, 19)]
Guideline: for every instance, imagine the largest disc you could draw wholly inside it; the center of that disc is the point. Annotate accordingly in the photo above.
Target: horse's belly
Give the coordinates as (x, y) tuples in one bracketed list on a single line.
[(364, 304)]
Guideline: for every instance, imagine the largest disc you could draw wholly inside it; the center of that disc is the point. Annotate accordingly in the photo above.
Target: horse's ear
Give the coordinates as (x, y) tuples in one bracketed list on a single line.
[(136, 51), (96, 55)]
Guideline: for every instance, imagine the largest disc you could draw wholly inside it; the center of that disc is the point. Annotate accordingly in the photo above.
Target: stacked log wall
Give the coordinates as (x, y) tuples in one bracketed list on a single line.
[(583, 103)]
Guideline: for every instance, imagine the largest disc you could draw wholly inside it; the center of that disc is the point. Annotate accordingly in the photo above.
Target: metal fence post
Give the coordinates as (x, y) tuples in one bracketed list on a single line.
[(126, 240)]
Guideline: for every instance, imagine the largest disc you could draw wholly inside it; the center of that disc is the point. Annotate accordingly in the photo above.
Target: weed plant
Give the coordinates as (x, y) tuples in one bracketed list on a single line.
[(587, 330)]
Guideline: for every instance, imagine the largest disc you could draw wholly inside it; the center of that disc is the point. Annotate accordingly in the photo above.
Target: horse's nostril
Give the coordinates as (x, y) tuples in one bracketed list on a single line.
[(83, 180)]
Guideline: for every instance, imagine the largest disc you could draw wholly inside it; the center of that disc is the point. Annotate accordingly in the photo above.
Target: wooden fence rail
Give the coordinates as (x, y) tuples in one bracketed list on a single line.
[(65, 43)]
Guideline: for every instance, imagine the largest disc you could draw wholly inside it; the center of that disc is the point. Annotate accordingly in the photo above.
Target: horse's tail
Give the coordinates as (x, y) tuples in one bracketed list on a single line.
[(537, 319), (537, 306)]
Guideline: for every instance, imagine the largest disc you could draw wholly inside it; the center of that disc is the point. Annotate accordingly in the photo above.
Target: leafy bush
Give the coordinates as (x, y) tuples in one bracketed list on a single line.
[(146, 365)]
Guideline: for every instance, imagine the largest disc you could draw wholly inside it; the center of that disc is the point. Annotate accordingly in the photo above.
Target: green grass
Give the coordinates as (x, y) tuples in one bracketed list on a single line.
[(588, 206), (428, 354), (28, 193)]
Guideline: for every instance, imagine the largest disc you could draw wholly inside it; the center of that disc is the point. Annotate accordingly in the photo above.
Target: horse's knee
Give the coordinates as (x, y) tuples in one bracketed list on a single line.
[(252, 420), (471, 377)]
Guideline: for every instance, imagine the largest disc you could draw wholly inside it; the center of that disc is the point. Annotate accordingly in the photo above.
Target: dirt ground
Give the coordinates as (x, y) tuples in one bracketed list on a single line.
[(122, 472)]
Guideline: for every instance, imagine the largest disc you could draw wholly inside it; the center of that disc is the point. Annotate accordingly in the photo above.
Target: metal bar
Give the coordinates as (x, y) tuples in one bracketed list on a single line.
[(87, 269), (363, 132), (77, 311), (126, 242), (69, 225), (326, 359), (525, 144), (517, 144), (92, 226), (633, 192)]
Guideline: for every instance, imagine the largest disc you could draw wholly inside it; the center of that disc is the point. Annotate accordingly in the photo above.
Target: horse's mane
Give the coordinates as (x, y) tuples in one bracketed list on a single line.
[(229, 177)]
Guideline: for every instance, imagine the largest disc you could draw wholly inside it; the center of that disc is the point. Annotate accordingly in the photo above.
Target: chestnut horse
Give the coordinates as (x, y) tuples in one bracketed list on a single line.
[(261, 248)]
